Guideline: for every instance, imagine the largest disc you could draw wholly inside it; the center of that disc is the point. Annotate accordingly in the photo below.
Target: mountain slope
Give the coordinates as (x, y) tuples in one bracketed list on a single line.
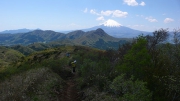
[(30, 37), (75, 34), (99, 39), (95, 35), (94, 38), (23, 49), (8, 56), (115, 29), (37, 38)]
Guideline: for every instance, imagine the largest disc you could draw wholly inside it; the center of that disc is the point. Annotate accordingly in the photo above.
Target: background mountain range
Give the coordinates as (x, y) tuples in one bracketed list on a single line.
[(95, 38), (24, 30), (111, 27), (115, 29), (110, 34)]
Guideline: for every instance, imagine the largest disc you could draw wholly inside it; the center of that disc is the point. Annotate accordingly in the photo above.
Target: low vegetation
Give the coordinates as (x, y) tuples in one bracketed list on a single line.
[(8, 56), (148, 69), (39, 84)]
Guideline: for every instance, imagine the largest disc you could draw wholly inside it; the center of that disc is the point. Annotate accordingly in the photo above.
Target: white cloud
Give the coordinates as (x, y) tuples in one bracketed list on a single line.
[(138, 25), (150, 19), (164, 14), (140, 16), (113, 13), (86, 10), (92, 11), (131, 2), (168, 20), (101, 18), (106, 13), (118, 13), (142, 3)]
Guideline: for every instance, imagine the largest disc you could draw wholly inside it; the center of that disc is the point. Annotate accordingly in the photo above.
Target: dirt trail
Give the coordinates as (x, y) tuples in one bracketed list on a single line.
[(70, 92)]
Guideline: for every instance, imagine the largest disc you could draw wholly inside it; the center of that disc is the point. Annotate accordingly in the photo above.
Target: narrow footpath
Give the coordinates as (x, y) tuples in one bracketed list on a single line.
[(70, 92)]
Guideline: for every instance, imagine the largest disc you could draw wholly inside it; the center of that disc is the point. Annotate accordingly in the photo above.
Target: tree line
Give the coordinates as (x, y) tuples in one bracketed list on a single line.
[(146, 69)]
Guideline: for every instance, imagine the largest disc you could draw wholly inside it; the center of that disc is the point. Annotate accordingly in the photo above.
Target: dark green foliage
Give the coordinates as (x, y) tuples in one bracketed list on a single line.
[(46, 58), (137, 60), (148, 60), (101, 44), (11, 70), (58, 66), (130, 89), (144, 70), (97, 69), (24, 50), (93, 67)]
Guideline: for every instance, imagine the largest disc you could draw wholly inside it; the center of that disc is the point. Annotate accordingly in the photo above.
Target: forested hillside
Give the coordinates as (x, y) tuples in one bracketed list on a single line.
[(147, 69), (46, 39)]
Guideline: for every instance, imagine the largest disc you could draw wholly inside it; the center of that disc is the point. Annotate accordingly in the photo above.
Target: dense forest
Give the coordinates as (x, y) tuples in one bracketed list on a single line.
[(146, 69)]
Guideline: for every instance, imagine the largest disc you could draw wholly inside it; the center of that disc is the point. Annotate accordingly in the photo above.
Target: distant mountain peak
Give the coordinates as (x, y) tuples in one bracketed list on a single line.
[(100, 30), (111, 23), (24, 30)]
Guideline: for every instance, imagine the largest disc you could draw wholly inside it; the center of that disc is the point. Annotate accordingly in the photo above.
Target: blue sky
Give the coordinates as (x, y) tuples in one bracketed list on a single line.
[(145, 15)]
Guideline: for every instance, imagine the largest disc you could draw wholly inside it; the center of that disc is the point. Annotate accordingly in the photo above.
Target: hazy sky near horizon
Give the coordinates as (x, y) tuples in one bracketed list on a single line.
[(145, 15)]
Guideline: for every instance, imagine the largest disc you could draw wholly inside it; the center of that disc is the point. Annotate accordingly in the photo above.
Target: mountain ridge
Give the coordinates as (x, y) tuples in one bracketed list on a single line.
[(119, 32), (111, 27), (91, 38), (23, 30)]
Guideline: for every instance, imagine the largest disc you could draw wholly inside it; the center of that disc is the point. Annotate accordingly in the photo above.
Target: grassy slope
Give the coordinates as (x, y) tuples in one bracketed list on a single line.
[(39, 76), (8, 56)]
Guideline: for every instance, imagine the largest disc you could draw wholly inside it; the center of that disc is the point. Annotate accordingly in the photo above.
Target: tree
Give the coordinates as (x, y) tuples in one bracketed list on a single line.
[(130, 89), (176, 37), (158, 37), (137, 60)]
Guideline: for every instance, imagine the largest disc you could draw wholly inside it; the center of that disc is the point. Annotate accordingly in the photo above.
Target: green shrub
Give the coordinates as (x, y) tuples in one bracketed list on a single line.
[(130, 89), (137, 60), (39, 84), (56, 65)]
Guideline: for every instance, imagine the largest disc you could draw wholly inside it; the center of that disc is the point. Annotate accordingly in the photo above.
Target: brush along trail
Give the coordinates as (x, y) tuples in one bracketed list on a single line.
[(70, 92)]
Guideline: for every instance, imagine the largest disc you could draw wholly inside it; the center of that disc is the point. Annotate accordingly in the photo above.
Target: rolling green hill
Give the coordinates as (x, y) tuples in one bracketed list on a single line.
[(30, 37), (8, 56), (99, 39), (35, 39), (23, 49)]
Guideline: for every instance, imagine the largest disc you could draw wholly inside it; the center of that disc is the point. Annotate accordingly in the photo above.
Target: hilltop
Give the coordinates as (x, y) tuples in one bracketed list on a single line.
[(8, 56)]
